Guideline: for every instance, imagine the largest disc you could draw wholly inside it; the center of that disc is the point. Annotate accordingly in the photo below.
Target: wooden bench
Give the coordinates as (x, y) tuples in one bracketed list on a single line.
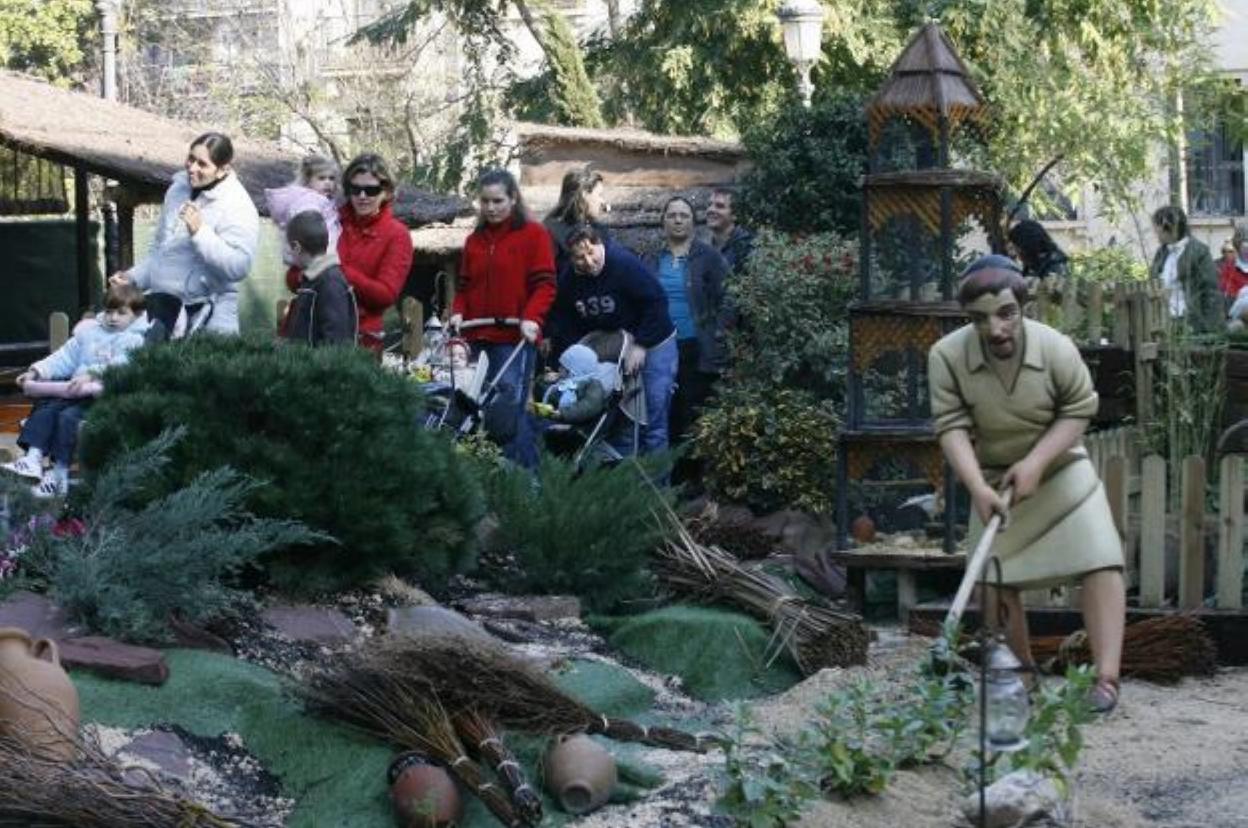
[(904, 561)]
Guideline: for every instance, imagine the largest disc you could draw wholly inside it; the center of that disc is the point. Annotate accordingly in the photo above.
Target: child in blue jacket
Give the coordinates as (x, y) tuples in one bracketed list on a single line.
[(52, 427)]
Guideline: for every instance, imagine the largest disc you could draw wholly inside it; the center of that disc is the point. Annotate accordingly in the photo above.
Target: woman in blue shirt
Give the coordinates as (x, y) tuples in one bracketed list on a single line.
[(693, 275)]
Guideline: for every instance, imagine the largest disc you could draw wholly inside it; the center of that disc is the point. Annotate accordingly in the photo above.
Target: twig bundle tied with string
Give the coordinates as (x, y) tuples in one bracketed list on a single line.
[(384, 700), (93, 791), (1163, 649), (470, 674), (815, 636), (482, 737)]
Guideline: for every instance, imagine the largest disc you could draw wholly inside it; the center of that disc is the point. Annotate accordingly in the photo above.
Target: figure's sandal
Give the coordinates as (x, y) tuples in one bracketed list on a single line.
[(1103, 697)]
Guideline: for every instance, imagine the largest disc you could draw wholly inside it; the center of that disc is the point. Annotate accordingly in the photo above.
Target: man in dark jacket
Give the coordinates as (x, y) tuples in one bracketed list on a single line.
[(733, 241), (606, 288), (323, 311), (1185, 267)]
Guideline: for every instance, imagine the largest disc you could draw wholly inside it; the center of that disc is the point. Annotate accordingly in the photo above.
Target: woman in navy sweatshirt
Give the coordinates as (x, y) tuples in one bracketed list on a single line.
[(607, 288)]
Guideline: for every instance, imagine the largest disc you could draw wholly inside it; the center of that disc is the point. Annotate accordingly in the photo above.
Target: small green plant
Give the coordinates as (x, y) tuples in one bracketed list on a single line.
[(844, 745), (588, 533), (139, 559), (767, 787)]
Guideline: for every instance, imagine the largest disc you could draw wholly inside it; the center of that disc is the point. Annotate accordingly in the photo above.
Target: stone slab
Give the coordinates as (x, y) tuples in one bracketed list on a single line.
[(35, 614), (113, 659), (523, 607), (164, 750), (417, 621), (315, 625)]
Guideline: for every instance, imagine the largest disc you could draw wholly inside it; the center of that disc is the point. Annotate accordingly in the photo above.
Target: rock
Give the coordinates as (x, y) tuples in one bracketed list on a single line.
[(419, 621), (486, 532), (523, 607), (904, 541), (193, 637), (164, 750), (1018, 799), (113, 659), (403, 592), (35, 614), (315, 625), (863, 529), (734, 514)]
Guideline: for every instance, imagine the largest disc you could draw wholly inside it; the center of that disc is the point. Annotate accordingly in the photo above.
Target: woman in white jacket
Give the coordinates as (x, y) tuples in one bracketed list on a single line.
[(204, 243)]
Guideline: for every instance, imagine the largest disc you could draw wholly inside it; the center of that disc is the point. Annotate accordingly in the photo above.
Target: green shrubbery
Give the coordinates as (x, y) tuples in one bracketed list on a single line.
[(337, 442), (588, 534)]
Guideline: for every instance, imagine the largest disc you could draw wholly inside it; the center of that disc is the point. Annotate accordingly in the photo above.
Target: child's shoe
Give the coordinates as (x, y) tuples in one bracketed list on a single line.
[(51, 485), (25, 466)]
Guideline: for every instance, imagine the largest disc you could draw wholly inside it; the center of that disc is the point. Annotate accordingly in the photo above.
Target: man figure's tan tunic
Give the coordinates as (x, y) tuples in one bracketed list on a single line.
[(1065, 529)]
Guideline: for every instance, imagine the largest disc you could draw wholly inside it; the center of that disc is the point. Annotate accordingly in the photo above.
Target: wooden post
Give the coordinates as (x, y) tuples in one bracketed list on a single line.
[(1070, 304), (1230, 594), (58, 330), (907, 595), (82, 227), (1042, 302), (1122, 316), (1096, 311), (1192, 534), (413, 327), (1116, 490), (1153, 531)]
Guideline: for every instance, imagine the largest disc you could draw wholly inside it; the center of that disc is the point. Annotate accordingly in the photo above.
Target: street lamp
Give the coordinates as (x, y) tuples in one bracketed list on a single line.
[(802, 22)]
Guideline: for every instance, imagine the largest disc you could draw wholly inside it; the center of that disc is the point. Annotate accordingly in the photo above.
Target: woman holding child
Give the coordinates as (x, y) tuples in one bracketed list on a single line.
[(507, 271), (204, 244)]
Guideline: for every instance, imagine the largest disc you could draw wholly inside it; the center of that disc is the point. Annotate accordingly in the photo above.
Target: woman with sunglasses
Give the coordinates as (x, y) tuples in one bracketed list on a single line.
[(375, 248)]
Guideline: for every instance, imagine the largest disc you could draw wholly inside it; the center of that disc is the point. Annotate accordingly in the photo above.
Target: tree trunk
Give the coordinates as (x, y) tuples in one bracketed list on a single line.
[(532, 24), (613, 18)]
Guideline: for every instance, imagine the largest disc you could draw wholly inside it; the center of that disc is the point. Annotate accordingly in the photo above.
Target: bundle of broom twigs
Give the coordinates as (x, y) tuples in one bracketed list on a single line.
[(93, 791), (1163, 649), (815, 636)]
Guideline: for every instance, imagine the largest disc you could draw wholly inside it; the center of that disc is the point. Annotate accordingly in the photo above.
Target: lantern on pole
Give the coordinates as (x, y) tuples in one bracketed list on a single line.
[(802, 22)]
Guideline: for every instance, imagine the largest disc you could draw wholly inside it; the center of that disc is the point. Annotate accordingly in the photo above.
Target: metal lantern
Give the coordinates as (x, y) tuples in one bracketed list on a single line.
[(1005, 699), (802, 22)]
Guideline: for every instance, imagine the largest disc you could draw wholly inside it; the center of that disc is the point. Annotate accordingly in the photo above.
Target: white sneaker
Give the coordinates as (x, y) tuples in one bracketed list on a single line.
[(51, 485), (25, 467)]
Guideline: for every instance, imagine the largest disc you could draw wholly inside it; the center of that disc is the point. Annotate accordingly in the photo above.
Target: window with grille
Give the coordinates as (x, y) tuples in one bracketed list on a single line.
[(1215, 172)]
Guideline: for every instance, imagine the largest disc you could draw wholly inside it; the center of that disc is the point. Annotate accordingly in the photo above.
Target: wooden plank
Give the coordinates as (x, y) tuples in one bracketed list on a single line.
[(1192, 534), (58, 329), (1153, 532), (1230, 589), (1116, 491), (1122, 316), (411, 312), (1070, 304)]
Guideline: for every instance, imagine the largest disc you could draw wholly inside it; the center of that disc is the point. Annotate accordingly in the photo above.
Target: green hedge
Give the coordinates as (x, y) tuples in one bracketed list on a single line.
[(336, 440)]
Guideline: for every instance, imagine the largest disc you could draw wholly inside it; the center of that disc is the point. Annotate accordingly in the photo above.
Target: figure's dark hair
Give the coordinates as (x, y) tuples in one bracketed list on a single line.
[(572, 209), (372, 164), (309, 230), (1171, 218), (125, 295), (584, 232), (1033, 243), (683, 200), (992, 274), (727, 191), (496, 176), (220, 147)]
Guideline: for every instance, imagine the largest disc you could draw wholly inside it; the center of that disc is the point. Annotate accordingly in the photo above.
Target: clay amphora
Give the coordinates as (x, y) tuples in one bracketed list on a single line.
[(423, 794), (38, 702), (580, 773)]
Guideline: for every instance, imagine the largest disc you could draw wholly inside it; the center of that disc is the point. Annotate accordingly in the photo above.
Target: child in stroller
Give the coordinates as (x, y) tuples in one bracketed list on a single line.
[(592, 400)]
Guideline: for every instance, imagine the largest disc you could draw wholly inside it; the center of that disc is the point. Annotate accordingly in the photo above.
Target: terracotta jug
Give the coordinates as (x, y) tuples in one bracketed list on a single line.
[(580, 773), (423, 794), (38, 702)]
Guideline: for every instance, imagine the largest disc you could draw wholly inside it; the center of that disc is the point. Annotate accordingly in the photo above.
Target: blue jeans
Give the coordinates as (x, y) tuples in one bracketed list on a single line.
[(658, 379), (507, 417), (52, 427)]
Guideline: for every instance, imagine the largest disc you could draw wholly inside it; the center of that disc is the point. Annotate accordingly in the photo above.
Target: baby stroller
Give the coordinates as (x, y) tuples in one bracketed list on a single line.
[(616, 432), (459, 398)]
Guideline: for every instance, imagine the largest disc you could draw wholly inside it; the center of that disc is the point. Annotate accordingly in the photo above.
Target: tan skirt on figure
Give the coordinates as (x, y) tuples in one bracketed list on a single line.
[(1061, 533)]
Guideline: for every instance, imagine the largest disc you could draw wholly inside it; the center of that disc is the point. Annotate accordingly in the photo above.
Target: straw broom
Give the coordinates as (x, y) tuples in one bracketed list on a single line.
[(472, 675), (480, 733), (815, 636), (1163, 649), (384, 702), (38, 791)]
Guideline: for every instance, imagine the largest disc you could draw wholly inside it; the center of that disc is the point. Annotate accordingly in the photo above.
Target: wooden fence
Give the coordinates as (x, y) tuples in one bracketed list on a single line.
[(1143, 509)]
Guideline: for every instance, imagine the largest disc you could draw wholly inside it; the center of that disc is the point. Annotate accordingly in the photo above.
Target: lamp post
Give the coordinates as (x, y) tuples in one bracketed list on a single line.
[(802, 22), (109, 10)]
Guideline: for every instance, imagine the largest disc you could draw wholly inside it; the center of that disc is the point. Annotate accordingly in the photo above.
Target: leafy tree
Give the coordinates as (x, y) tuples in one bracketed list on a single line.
[(48, 38)]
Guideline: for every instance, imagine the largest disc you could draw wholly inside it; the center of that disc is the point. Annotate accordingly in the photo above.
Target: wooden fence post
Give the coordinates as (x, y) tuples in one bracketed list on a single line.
[(411, 312), (1230, 594), (1116, 490), (1192, 534), (58, 330), (1096, 310), (1153, 531)]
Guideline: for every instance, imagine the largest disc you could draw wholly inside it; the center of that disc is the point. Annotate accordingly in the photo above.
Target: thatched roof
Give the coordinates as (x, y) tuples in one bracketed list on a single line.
[(143, 150), (928, 82), (536, 136)]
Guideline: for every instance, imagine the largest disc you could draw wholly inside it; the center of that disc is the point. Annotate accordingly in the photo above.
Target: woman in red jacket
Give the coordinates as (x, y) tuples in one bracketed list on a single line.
[(507, 271), (375, 248)]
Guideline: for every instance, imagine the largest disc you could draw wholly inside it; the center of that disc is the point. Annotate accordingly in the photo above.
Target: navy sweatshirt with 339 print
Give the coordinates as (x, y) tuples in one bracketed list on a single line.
[(625, 295)]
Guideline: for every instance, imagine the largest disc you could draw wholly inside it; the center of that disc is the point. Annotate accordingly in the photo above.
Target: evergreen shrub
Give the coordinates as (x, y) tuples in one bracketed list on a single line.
[(137, 560), (806, 165), (337, 440), (587, 534)]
